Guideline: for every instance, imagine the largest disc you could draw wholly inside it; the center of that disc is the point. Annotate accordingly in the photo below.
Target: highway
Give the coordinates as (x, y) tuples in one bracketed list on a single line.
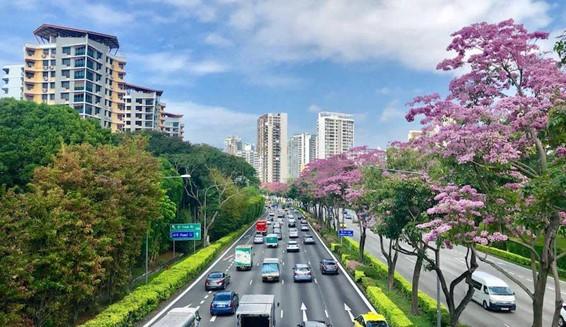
[(452, 262), (331, 298)]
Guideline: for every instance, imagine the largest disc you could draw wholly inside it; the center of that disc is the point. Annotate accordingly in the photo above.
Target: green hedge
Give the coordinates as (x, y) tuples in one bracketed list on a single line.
[(512, 257), (143, 300), (358, 275), (395, 316), (426, 303)]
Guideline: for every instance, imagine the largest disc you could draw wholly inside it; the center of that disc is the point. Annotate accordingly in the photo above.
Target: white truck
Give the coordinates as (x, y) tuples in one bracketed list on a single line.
[(243, 257), (180, 317), (256, 310), (270, 270)]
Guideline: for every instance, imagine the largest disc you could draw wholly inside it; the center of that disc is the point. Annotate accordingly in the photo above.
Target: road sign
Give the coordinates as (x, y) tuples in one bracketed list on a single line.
[(346, 232), (185, 232)]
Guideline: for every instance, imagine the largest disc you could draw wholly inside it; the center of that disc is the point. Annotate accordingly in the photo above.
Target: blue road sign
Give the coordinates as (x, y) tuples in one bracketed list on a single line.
[(346, 232), (185, 232)]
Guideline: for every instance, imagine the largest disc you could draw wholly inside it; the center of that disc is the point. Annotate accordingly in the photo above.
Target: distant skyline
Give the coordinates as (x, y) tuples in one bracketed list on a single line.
[(223, 63)]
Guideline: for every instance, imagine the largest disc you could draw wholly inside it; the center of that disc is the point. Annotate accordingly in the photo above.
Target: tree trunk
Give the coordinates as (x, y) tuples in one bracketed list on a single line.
[(362, 243), (415, 289)]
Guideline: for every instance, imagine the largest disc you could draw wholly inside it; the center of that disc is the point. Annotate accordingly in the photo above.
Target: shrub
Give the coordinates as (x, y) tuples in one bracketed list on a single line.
[(395, 316), (358, 275), (144, 299), (334, 247), (367, 282)]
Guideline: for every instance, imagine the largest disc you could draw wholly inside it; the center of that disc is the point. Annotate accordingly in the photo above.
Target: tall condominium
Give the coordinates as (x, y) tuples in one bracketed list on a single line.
[(13, 82), (248, 152), (232, 145), (272, 147), (302, 150), (335, 133), (143, 109), (172, 124)]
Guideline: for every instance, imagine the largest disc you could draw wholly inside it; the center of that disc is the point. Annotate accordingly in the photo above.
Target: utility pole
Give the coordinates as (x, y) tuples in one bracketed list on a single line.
[(146, 255)]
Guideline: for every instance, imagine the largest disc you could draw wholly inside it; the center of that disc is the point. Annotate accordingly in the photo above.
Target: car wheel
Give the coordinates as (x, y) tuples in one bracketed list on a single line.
[(485, 306), (560, 322)]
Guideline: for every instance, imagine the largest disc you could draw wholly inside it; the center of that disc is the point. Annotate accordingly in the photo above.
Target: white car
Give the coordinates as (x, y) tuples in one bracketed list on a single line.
[(292, 246), (293, 233), (291, 222), (258, 239), (304, 228), (308, 239), (562, 319)]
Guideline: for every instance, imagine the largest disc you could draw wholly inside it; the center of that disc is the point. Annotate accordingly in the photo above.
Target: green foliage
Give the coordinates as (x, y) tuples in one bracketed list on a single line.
[(358, 275), (30, 134), (144, 299), (395, 317)]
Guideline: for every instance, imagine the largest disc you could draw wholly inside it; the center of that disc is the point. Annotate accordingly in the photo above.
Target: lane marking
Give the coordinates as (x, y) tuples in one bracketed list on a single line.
[(251, 281), (209, 292), (213, 319), (201, 302), (197, 308), (304, 310), (197, 281), (282, 281), (326, 313), (281, 313), (349, 311), (206, 296)]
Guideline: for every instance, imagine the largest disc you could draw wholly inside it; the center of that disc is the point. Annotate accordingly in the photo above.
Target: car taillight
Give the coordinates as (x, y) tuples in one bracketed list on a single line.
[(221, 281)]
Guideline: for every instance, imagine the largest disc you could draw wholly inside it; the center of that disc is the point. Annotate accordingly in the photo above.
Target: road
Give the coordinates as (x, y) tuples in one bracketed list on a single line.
[(451, 263), (325, 299)]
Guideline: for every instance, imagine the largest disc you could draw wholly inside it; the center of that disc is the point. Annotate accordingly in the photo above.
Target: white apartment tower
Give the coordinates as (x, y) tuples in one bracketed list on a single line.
[(302, 150), (272, 147), (13, 82), (172, 124), (335, 133), (232, 145), (143, 109)]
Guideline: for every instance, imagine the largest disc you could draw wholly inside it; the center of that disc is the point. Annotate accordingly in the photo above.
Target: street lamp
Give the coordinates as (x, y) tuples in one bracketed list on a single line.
[(147, 233)]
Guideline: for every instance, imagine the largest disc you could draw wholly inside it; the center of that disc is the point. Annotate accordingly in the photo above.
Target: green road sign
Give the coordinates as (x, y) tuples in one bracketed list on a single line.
[(185, 232)]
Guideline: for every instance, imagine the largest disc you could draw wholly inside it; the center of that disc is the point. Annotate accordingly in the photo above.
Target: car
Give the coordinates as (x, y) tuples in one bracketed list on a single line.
[(291, 223), (269, 222), (276, 225), (347, 215), (304, 228), (308, 239), (343, 226), (279, 236), (328, 266), (492, 293), (276, 230), (216, 280), (370, 319), (562, 318), (302, 273), (293, 233), (314, 323), (292, 246), (224, 302), (258, 239)]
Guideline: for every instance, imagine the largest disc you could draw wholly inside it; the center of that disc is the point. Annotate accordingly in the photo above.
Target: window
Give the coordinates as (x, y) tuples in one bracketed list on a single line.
[(98, 88), (66, 62), (45, 63), (79, 62), (53, 62), (52, 85), (44, 97), (89, 75), (79, 51), (45, 51), (90, 63), (51, 96), (66, 73), (79, 85), (79, 97), (88, 98), (149, 102), (67, 50), (91, 52), (45, 75), (44, 85), (65, 84), (98, 77), (80, 73), (88, 109), (88, 85), (476, 284), (65, 96)]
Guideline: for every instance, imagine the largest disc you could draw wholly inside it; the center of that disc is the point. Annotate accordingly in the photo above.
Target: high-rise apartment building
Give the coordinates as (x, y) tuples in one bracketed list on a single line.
[(249, 154), (13, 82), (172, 124), (272, 147), (302, 150), (335, 133), (232, 145), (413, 134), (143, 109)]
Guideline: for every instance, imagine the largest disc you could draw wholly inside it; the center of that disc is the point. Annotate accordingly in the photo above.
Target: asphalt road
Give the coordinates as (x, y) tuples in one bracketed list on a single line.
[(327, 298), (452, 262)]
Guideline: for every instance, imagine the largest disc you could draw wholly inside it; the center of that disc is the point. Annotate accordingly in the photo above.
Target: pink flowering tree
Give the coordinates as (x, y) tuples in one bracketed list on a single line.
[(275, 188), (502, 127)]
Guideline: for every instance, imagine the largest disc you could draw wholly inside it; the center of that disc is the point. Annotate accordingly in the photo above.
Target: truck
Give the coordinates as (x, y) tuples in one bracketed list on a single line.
[(256, 310), (270, 270), (180, 317), (243, 257), (261, 226), (271, 240)]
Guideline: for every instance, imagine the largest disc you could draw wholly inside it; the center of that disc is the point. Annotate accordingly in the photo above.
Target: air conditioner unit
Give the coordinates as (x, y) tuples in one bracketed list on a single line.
[(43, 55), (44, 90), (51, 67), (45, 67), (45, 78)]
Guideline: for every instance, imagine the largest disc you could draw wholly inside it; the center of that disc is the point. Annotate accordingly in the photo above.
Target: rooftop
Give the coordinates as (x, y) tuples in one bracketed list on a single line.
[(45, 31), (142, 89)]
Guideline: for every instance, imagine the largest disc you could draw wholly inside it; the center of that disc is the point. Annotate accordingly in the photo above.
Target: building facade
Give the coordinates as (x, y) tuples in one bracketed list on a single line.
[(335, 133), (272, 147), (413, 134), (142, 109), (249, 153), (302, 150), (233, 145), (172, 124), (13, 79)]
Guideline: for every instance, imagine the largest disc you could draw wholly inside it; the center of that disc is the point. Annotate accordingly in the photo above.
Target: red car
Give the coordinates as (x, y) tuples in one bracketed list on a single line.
[(261, 226)]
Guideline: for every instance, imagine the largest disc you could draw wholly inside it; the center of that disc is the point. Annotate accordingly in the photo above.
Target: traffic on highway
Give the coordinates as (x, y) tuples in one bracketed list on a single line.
[(279, 273)]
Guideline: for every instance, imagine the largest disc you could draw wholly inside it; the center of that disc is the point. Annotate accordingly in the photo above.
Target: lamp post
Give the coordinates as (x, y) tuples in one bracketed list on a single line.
[(184, 176)]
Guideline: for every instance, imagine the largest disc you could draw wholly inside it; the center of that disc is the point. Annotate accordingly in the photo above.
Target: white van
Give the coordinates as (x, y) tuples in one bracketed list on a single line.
[(492, 293)]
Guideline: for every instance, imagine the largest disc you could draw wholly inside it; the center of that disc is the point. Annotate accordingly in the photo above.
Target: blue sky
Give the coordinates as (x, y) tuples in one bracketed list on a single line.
[(224, 62)]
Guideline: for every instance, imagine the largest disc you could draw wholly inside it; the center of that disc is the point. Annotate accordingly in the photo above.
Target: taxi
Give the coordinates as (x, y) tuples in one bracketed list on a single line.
[(370, 319)]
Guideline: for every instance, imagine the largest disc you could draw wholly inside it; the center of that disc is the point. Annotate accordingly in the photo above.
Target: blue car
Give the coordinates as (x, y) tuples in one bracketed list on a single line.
[(224, 303)]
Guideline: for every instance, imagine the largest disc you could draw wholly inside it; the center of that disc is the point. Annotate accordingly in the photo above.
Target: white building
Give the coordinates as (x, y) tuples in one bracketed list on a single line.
[(413, 134), (172, 124), (249, 154), (143, 108), (302, 150), (335, 133), (272, 147), (232, 145), (13, 78)]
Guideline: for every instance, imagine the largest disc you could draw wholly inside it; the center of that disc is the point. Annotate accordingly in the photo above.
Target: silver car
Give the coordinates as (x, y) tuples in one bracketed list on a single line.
[(292, 246), (293, 233), (302, 273)]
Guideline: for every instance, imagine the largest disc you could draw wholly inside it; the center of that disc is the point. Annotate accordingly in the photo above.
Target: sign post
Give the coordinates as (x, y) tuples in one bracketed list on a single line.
[(185, 232)]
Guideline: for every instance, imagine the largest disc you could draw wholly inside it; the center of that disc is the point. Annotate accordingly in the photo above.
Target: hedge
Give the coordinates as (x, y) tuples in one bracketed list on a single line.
[(395, 316), (358, 275), (426, 303), (143, 300)]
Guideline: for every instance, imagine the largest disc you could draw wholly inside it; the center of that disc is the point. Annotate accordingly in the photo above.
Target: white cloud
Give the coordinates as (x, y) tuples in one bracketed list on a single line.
[(383, 90), (217, 40), (104, 15), (391, 112), (211, 124), (315, 108)]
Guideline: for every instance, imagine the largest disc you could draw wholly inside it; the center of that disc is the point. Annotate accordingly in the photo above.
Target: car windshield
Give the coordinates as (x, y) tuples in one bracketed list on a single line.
[(215, 275), (270, 267), (329, 262), (500, 290), (376, 324), (302, 269), (222, 297)]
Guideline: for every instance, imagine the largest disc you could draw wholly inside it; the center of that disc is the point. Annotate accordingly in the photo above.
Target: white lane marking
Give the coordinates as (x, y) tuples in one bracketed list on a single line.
[(309, 262), (315, 281), (304, 310), (209, 292), (347, 308), (326, 313), (197, 281), (282, 281), (213, 319), (281, 313), (201, 302), (354, 286), (197, 308), (251, 281), (206, 296)]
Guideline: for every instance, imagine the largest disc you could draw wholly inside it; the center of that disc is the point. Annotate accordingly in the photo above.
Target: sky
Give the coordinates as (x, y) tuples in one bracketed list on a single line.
[(222, 63)]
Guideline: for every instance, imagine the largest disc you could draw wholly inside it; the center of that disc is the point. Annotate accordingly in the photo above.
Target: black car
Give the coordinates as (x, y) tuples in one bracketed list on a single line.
[(216, 280), (314, 323), (328, 266)]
